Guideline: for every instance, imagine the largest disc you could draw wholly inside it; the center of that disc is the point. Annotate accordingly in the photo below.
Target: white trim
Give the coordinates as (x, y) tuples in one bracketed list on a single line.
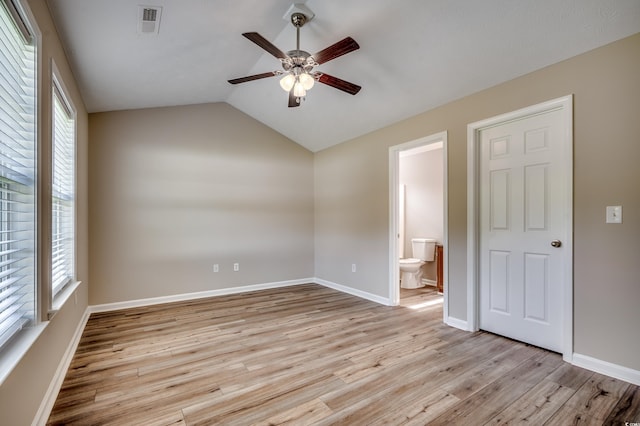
[(354, 292), (59, 89), (57, 84), (607, 368), (394, 170), (445, 227), (106, 307), (472, 226), (234, 290), (457, 323), (565, 104), (394, 226), (11, 356), (428, 282), (21, 343), (46, 405)]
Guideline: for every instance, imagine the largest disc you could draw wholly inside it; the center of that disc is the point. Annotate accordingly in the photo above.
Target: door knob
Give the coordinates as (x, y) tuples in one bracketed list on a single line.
[(556, 243)]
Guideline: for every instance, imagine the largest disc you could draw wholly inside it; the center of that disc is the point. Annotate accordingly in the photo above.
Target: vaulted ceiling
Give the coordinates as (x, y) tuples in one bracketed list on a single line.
[(414, 54)]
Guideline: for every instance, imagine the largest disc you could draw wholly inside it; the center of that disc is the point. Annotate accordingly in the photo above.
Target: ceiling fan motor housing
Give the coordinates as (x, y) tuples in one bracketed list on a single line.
[(298, 61)]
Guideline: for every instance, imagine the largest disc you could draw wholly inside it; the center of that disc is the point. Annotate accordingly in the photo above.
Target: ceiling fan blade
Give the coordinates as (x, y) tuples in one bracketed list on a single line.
[(340, 84), (265, 44), (340, 48), (252, 77), (293, 100)]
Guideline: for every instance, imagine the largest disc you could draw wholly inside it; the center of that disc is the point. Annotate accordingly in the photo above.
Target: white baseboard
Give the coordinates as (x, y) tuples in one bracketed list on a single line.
[(354, 292), (457, 323), (106, 307), (607, 368), (197, 295), (429, 282), (56, 383)]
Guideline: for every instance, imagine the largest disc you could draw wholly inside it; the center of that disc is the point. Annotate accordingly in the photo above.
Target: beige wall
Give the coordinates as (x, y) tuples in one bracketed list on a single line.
[(351, 183), (24, 389), (175, 190), (422, 175)]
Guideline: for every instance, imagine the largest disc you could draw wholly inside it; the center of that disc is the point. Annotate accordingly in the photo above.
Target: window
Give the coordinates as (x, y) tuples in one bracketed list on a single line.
[(63, 192), (17, 173)]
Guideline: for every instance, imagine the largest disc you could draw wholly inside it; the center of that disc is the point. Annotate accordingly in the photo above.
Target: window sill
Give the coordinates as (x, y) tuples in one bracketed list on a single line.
[(11, 356), (62, 297)]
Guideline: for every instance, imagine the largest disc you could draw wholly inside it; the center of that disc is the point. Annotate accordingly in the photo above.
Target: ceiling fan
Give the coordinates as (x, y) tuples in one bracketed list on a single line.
[(298, 66)]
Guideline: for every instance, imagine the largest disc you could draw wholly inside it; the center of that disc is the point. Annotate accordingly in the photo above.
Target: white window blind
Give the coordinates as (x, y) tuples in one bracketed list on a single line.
[(63, 193), (17, 173)]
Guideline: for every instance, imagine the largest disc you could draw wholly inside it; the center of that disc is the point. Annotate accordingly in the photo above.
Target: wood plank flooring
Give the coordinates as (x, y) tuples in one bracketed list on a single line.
[(311, 355)]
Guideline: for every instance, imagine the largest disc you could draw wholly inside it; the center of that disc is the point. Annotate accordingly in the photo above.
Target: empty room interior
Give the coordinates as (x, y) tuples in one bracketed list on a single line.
[(320, 212)]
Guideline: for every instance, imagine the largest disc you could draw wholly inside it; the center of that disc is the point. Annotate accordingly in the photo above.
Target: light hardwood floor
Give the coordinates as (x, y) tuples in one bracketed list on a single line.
[(312, 355)]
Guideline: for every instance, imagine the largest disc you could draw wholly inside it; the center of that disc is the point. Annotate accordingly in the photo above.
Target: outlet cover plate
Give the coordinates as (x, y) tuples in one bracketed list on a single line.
[(614, 214)]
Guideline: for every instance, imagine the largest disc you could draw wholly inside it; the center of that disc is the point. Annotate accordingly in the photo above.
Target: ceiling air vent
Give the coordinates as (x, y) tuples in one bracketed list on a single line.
[(149, 19)]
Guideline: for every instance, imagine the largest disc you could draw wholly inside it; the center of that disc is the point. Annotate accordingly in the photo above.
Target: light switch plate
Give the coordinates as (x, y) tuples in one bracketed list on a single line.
[(614, 214)]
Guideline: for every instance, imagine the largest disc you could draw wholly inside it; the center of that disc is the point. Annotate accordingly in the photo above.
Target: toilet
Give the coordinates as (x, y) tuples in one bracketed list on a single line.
[(423, 250)]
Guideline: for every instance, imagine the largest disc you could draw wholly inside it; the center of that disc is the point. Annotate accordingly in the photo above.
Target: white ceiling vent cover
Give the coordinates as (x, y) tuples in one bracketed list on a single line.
[(149, 19)]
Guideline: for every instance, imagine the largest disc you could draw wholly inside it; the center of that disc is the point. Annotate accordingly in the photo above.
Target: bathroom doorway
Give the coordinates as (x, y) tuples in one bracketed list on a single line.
[(418, 209)]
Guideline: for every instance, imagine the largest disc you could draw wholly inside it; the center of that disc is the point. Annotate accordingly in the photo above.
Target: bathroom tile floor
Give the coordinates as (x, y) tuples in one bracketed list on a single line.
[(308, 355)]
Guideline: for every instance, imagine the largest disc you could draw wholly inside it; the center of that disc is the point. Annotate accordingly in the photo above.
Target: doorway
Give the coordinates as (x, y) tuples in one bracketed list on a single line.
[(520, 225), (398, 244)]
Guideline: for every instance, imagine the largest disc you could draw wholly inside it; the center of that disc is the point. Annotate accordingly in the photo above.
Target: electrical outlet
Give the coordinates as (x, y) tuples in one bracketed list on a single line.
[(236, 267), (353, 267), (216, 268)]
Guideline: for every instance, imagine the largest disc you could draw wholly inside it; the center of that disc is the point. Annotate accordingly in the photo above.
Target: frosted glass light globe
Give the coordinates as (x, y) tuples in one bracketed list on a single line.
[(307, 81), (287, 82), (298, 90)]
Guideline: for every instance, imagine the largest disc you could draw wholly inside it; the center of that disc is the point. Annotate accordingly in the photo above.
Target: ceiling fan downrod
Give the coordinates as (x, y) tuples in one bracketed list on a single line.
[(298, 20)]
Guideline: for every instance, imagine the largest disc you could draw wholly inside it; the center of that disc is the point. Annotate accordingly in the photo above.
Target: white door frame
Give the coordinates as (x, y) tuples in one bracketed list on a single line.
[(565, 104), (394, 183)]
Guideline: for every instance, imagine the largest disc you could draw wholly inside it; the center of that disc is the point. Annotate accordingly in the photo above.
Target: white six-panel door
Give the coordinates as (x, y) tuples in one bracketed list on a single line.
[(521, 223)]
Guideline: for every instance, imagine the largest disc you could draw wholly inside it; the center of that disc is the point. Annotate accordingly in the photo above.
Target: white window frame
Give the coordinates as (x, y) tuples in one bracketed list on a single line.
[(60, 292), (12, 353)]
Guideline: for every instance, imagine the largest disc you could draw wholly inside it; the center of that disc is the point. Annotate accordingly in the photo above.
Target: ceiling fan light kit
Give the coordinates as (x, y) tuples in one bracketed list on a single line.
[(298, 65)]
